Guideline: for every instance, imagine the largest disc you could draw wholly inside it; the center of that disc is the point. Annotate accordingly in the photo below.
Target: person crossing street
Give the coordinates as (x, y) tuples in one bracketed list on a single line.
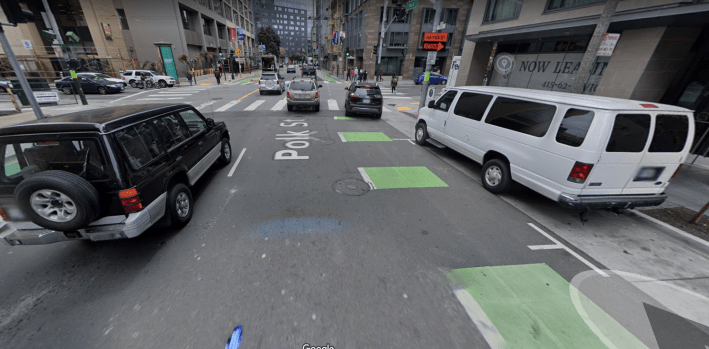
[(218, 75)]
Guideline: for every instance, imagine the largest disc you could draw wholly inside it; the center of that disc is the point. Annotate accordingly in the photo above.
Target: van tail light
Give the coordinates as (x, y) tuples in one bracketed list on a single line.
[(316, 95), (579, 173), (4, 215), (130, 199), (288, 94), (676, 171)]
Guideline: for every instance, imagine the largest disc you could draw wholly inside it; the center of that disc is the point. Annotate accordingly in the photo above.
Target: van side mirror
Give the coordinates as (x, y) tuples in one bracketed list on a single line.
[(319, 86), (210, 122), (430, 104)]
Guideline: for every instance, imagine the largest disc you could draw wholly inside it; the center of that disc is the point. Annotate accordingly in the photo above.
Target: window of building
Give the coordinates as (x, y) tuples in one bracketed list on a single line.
[(522, 116), (122, 18), (630, 132), (472, 105), (450, 16), (564, 4), (428, 14), (398, 39), (220, 32), (574, 127), (207, 26), (498, 10)]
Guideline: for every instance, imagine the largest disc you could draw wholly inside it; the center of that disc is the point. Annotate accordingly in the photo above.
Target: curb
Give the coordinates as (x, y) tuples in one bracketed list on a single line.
[(679, 234)]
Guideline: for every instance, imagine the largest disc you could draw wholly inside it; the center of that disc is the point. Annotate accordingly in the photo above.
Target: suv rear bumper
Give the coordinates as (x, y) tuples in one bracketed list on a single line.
[(610, 201), (303, 103), (365, 109), (107, 228)]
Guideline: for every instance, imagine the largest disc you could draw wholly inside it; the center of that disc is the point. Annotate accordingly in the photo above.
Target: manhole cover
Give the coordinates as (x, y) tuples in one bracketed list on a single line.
[(351, 187)]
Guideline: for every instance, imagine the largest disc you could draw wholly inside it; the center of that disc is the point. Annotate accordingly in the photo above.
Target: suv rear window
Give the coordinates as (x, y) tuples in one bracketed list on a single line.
[(522, 116), (670, 134), (630, 132), (81, 157), (574, 127), (305, 86), (363, 91), (268, 77)]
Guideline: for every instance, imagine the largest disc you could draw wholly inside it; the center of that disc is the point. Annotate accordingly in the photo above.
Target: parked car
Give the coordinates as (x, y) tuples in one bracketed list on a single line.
[(271, 82), (132, 77), (363, 98), (308, 70), (104, 174), (290, 69), (582, 151), (434, 79), (89, 85), (303, 94), (103, 76)]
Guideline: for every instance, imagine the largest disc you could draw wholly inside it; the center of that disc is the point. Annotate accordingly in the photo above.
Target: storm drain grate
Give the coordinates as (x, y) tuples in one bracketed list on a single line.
[(351, 187)]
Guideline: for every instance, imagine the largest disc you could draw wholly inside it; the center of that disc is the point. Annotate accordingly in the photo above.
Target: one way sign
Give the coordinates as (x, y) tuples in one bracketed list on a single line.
[(433, 46)]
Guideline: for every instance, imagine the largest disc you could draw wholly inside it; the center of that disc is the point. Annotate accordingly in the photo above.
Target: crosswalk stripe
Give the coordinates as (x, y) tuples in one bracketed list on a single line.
[(156, 99), (280, 104), (205, 104), (332, 104), (254, 105), (172, 95), (226, 107), (385, 109)]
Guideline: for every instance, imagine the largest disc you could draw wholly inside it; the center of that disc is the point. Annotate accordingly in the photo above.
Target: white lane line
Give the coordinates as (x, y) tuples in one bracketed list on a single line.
[(205, 104), (366, 178), (412, 142), (280, 104), (342, 137), (480, 319), (545, 247), (177, 92), (226, 107), (157, 99), (135, 94), (255, 105), (233, 168), (401, 139), (570, 251), (332, 104), (386, 109), (397, 97), (172, 95)]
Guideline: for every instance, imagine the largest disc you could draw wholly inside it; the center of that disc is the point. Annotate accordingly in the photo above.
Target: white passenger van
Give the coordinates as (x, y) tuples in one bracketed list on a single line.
[(582, 151)]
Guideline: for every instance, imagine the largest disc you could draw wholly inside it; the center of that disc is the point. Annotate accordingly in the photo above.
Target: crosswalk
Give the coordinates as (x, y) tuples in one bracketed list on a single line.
[(271, 104), (162, 95)]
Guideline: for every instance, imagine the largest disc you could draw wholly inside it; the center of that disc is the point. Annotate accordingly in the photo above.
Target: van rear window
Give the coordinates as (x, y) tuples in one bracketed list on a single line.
[(630, 132), (670, 134), (574, 127), (522, 116)]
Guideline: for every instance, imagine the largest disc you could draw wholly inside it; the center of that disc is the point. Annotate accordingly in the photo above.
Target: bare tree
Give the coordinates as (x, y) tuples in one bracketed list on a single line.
[(198, 59)]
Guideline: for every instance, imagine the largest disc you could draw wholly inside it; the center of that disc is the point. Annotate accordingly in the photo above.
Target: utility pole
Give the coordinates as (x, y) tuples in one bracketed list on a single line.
[(54, 25), (438, 7), (591, 51)]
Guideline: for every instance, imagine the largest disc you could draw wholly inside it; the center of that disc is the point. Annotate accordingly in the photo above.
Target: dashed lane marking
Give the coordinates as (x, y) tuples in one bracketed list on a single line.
[(233, 168), (133, 95), (562, 246), (332, 104), (279, 105), (205, 104)]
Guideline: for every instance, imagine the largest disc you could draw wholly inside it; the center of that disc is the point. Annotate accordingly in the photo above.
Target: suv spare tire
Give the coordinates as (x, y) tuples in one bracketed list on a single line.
[(58, 200)]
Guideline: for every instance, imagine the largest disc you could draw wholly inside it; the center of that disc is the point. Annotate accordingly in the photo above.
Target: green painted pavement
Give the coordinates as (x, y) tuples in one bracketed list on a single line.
[(531, 307), (345, 118), (403, 177), (243, 80), (327, 77), (365, 137)]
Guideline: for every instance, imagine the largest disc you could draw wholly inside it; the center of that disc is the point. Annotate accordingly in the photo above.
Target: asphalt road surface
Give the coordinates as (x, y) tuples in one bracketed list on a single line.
[(322, 230)]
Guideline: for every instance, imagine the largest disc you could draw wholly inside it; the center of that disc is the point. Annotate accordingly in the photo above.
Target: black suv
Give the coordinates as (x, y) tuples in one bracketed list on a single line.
[(308, 70), (104, 174), (364, 99)]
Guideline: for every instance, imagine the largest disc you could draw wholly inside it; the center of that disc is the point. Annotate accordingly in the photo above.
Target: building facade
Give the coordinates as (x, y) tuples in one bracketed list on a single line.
[(291, 19), (114, 35), (661, 54), (402, 48)]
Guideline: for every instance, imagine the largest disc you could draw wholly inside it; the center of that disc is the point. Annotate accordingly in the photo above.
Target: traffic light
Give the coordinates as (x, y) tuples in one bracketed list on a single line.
[(14, 13), (376, 49)]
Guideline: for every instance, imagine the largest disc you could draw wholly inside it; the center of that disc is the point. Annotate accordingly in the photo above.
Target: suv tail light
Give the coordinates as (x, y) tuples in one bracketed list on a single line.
[(316, 94), (278, 82), (288, 94), (3, 215), (259, 81), (353, 95), (579, 173), (130, 199)]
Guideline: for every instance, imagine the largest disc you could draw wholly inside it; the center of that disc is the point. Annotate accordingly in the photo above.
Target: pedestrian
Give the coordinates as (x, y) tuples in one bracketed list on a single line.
[(381, 74), (365, 76), (218, 75), (394, 82), (356, 74), (189, 77), (351, 74), (142, 80)]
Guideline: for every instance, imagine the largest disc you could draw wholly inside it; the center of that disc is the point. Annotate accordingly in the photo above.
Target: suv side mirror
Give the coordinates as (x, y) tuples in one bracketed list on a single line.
[(319, 86), (430, 104), (210, 122)]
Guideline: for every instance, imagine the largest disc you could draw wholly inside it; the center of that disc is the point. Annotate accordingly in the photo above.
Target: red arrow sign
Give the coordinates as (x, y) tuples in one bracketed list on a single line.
[(433, 46), (435, 37)]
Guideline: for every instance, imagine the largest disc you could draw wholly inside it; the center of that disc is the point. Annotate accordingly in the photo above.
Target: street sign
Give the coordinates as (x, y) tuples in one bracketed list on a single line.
[(46, 97), (608, 44), (27, 44), (435, 37), (241, 37), (431, 59), (441, 26), (411, 5), (430, 95), (262, 48), (433, 46), (237, 51)]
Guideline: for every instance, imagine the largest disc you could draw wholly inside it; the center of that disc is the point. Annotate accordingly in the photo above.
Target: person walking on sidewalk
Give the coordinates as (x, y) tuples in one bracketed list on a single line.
[(356, 74), (364, 76), (381, 74), (218, 75), (189, 77), (351, 74), (394, 82)]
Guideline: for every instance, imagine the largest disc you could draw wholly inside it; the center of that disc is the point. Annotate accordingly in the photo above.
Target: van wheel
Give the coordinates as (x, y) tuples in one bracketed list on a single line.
[(496, 176), (225, 156), (179, 204), (421, 134), (58, 200)]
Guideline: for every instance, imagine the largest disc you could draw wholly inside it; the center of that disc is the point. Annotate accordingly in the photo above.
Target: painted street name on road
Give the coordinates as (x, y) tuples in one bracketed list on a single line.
[(296, 140)]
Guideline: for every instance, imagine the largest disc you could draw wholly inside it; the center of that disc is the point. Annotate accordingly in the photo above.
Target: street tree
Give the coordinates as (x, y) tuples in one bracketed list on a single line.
[(267, 36), (296, 57)]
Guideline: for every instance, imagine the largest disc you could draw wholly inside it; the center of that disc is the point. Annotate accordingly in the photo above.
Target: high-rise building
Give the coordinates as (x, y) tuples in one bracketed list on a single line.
[(289, 18)]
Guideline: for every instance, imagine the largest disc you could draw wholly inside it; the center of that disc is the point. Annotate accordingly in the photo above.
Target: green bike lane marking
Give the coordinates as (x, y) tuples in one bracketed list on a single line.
[(363, 137), (400, 177), (328, 78), (531, 306)]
